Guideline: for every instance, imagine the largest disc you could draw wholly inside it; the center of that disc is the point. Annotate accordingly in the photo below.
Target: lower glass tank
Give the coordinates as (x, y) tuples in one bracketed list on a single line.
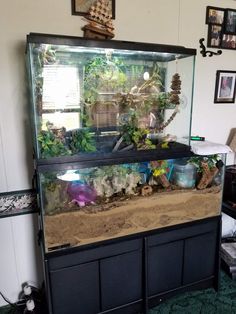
[(87, 205)]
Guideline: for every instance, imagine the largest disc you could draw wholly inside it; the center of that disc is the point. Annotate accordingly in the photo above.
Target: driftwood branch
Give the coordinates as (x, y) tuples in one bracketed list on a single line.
[(118, 143), (207, 176)]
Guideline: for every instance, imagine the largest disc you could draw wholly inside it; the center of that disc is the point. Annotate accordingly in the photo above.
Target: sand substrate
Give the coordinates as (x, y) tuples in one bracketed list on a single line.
[(131, 216)]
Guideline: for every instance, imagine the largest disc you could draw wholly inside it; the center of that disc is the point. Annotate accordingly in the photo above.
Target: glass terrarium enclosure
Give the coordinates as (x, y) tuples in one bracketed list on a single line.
[(108, 96), (111, 124), (90, 204)]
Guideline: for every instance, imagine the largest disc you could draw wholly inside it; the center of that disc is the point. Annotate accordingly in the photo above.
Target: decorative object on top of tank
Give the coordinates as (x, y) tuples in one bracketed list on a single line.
[(207, 167), (99, 18), (208, 53), (81, 7), (81, 193)]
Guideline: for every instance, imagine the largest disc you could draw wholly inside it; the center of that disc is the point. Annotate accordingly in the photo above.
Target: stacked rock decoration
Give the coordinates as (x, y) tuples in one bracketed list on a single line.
[(174, 99), (176, 89)]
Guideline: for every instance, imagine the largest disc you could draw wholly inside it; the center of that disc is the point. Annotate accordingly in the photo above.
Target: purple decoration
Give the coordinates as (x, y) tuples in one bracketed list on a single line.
[(81, 193)]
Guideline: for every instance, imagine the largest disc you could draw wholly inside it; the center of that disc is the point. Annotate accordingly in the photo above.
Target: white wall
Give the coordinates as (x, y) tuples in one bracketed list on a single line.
[(180, 22), (20, 260)]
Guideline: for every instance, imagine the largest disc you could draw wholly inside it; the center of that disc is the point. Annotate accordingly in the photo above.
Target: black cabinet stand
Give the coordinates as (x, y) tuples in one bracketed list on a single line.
[(135, 273)]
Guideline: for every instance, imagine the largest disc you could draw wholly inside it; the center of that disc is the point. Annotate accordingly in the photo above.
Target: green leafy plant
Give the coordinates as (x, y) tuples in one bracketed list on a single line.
[(132, 134), (102, 73), (163, 101), (82, 141), (51, 146), (210, 160)]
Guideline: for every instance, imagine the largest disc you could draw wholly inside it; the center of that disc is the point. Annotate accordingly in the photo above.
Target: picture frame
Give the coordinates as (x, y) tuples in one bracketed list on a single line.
[(228, 41), (230, 21), (225, 86), (215, 15), (81, 7), (214, 36)]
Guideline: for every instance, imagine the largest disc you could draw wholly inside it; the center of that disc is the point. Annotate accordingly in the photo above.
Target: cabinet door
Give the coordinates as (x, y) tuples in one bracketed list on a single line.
[(121, 279), (199, 257), (165, 267), (75, 289)]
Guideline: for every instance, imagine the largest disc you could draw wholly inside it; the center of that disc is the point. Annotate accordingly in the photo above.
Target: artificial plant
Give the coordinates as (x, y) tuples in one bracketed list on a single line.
[(42, 55), (82, 141), (103, 74), (160, 169), (51, 146), (207, 167), (197, 161), (133, 135)]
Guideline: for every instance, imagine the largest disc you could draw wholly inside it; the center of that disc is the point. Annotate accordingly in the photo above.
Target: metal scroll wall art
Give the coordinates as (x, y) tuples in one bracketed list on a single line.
[(208, 53)]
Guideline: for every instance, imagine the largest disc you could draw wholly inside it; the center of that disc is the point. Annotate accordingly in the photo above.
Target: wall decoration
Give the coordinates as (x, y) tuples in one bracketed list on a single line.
[(228, 41), (225, 87), (81, 7), (215, 15), (208, 53), (17, 202), (214, 36), (230, 21), (221, 27)]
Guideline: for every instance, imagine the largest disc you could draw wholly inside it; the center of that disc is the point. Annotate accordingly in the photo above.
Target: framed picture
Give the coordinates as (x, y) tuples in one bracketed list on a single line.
[(228, 41), (215, 15), (81, 7), (230, 21), (225, 87), (214, 36)]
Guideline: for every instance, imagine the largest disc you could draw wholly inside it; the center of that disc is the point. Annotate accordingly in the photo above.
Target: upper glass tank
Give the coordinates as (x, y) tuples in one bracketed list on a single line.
[(92, 96)]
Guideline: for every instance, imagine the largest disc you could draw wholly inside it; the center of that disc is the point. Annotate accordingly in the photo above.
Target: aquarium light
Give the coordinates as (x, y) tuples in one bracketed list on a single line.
[(70, 175)]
